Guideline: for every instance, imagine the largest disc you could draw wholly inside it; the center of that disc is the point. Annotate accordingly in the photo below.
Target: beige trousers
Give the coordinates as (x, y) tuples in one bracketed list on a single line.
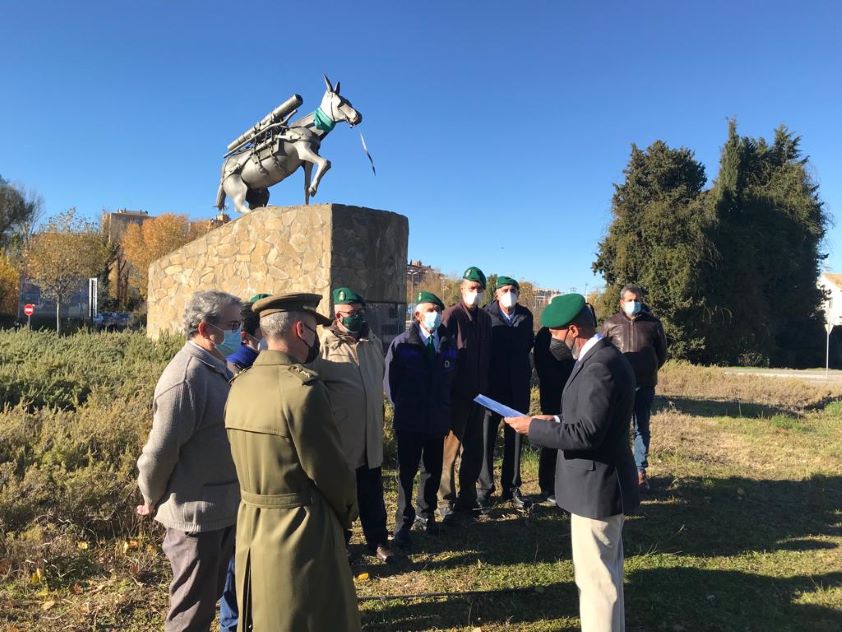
[(598, 567)]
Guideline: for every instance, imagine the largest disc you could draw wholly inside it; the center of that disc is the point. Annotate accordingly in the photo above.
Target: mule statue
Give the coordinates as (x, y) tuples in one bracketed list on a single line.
[(272, 150)]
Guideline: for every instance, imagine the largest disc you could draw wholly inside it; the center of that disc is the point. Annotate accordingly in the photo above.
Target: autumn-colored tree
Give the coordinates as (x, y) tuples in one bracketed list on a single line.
[(67, 250), (144, 243), (9, 286)]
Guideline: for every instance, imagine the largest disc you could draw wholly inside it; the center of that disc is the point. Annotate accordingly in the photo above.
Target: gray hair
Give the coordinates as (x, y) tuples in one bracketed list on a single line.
[(279, 324), (208, 307), (634, 289)]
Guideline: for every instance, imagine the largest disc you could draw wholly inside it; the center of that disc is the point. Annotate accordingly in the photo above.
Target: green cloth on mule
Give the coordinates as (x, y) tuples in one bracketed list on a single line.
[(562, 310), (322, 120), (257, 297)]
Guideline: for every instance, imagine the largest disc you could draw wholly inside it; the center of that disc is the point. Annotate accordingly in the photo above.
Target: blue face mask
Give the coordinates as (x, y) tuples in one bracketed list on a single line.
[(632, 308), (432, 320), (230, 342)]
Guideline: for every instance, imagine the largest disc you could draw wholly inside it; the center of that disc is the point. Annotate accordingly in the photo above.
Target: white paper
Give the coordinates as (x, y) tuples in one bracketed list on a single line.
[(497, 407)]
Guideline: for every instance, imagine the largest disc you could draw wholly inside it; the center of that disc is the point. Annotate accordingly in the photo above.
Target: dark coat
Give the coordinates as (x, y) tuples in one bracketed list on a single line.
[(595, 472), (642, 341), (471, 329), (552, 373), (511, 341), (420, 389)]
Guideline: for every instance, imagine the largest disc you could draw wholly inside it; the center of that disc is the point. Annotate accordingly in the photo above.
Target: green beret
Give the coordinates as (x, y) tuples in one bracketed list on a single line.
[(428, 297), (504, 280), (257, 297), (300, 302), (475, 274), (562, 310), (346, 296)]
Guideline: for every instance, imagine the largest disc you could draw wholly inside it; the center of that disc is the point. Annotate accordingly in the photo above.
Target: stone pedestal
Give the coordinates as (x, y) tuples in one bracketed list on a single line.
[(290, 249)]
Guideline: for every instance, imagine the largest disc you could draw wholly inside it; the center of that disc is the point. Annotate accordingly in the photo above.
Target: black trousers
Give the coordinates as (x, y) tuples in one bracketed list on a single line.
[(372, 507), (546, 470), (510, 471), (413, 448)]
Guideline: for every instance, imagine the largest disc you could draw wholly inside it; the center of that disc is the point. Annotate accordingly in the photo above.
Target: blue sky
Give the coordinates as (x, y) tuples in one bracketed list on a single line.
[(498, 128)]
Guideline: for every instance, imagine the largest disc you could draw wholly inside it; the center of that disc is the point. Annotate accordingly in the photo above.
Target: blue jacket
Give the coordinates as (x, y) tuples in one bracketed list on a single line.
[(420, 389)]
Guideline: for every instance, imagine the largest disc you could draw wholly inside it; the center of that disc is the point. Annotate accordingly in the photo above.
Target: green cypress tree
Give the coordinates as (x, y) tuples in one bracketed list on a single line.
[(657, 240)]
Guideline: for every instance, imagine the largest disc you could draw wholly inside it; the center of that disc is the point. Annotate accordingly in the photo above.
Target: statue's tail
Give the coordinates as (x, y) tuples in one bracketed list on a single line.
[(220, 197)]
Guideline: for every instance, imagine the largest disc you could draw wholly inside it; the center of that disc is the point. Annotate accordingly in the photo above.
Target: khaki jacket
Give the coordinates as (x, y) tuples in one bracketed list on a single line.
[(352, 371), (297, 495)]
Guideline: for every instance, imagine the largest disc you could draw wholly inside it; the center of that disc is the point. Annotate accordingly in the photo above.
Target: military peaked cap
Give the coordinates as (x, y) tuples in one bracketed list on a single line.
[(504, 280), (301, 302), (475, 274), (346, 296), (428, 297), (562, 310)]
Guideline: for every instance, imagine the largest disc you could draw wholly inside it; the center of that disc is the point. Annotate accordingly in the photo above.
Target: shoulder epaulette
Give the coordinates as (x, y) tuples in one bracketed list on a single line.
[(304, 374), (239, 374)]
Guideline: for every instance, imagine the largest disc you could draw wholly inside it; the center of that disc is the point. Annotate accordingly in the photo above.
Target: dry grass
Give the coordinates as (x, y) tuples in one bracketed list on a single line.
[(743, 531)]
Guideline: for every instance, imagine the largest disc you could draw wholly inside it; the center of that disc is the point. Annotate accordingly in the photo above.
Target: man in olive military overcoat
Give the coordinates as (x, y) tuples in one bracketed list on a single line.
[(297, 491)]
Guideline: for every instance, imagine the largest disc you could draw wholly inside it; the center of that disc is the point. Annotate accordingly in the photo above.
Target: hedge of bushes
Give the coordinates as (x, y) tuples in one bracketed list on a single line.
[(75, 413)]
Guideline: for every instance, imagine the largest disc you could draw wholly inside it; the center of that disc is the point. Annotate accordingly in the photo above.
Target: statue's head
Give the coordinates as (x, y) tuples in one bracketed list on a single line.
[(338, 107)]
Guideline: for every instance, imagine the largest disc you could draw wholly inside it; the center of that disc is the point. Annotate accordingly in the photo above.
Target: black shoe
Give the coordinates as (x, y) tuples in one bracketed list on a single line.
[(485, 503), (402, 538)]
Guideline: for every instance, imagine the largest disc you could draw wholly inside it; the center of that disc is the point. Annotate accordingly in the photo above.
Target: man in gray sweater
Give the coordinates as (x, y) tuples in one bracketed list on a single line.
[(187, 476)]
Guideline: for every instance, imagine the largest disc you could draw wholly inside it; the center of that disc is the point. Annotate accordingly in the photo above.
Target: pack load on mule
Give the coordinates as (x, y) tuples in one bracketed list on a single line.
[(276, 120)]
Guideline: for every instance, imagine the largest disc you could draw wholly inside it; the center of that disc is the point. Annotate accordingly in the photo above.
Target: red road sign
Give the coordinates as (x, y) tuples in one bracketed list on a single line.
[(29, 309)]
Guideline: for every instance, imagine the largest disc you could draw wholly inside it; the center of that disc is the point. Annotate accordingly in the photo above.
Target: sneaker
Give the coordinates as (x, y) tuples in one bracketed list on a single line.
[(518, 501), (428, 524), (402, 538), (642, 481), (384, 554), (545, 498)]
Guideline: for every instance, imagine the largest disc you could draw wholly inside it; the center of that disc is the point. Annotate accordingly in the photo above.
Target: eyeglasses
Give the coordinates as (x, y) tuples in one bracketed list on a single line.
[(229, 326)]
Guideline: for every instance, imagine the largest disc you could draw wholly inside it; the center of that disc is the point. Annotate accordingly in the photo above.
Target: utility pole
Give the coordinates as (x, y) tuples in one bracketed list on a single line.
[(828, 328)]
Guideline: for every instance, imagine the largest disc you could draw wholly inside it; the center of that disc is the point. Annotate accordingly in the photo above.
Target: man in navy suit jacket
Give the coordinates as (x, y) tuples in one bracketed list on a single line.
[(596, 479)]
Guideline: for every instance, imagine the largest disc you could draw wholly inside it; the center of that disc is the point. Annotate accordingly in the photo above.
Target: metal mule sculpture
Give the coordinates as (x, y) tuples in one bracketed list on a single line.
[(273, 150)]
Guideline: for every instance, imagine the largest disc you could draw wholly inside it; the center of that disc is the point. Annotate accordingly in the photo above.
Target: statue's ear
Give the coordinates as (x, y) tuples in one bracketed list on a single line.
[(327, 84), (336, 87)]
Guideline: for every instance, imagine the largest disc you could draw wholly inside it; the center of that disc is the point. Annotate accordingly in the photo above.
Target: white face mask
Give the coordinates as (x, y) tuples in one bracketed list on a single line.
[(263, 344), (471, 297), (509, 300), (631, 308)]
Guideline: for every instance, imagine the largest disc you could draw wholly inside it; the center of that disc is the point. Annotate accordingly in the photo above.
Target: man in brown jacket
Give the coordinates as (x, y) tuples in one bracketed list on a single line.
[(297, 491), (470, 326), (636, 332), (350, 364)]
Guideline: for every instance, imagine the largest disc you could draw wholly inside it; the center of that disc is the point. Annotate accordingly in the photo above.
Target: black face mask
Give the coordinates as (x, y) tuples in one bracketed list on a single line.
[(312, 350), (559, 350)]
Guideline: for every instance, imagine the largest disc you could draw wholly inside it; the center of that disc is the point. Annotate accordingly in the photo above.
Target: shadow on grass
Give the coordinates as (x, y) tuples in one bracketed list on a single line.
[(711, 517), (718, 408), (709, 599), (556, 603)]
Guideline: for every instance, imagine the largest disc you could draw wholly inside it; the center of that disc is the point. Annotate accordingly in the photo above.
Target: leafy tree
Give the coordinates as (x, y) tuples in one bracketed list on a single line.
[(9, 286), (144, 243), (18, 212), (67, 250), (768, 226), (657, 240)]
